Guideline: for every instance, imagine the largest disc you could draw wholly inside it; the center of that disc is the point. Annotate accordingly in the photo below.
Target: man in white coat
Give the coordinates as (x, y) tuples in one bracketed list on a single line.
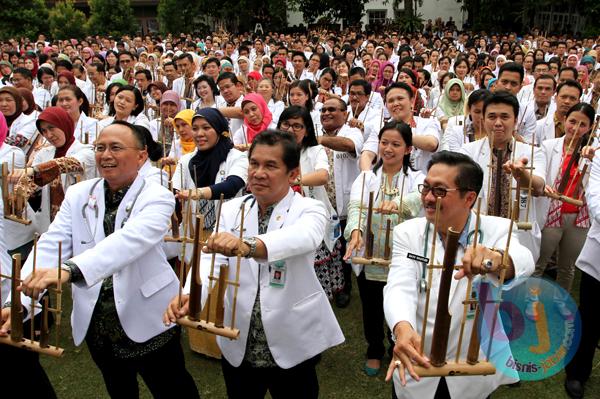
[(283, 314), (111, 229), (456, 179)]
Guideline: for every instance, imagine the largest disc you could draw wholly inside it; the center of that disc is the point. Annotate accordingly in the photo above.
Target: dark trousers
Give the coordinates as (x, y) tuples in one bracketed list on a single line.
[(163, 371), (371, 298), (249, 382), (22, 370), (440, 393), (24, 250), (346, 267), (580, 366)]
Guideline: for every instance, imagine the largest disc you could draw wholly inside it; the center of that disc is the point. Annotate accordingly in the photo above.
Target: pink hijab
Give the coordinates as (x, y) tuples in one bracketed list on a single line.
[(380, 81), (253, 130)]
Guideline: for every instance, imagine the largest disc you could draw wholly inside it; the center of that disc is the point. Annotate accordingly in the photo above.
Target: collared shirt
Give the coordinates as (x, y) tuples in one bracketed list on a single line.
[(258, 353), (106, 332)]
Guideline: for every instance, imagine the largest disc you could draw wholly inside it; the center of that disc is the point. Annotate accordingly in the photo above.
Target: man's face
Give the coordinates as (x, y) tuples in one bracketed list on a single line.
[(268, 177), (125, 61), (298, 63), (229, 90), (332, 115), (454, 203), (561, 49), (170, 72), (141, 81), (184, 65), (500, 121), (540, 70), (543, 91), (566, 98), (211, 69), (19, 81), (118, 156), (510, 82), (358, 97), (566, 74)]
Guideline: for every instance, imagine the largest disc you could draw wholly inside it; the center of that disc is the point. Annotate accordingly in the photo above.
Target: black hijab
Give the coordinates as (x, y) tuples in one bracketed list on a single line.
[(204, 165)]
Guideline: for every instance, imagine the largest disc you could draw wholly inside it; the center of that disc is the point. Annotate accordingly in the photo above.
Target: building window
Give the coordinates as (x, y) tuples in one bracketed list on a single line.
[(377, 17)]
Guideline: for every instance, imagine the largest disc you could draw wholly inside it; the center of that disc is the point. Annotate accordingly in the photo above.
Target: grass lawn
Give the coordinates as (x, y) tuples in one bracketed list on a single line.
[(340, 371)]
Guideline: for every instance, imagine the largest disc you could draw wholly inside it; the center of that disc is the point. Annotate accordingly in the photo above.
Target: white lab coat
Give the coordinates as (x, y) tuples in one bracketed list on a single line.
[(403, 302), (479, 151), (144, 282), (25, 126), (297, 318), (139, 119), (588, 258), (89, 125), (5, 260), (84, 153)]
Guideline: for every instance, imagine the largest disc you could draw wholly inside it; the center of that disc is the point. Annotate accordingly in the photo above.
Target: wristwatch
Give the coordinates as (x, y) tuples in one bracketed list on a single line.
[(251, 243)]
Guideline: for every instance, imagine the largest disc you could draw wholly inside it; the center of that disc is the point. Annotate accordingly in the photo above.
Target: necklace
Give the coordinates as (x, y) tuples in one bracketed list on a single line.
[(392, 190)]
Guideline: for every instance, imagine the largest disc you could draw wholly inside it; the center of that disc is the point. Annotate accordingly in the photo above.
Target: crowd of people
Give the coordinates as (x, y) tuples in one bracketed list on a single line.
[(107, 137)]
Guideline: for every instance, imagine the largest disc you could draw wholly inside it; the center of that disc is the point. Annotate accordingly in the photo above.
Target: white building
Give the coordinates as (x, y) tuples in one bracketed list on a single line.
[(381, 10)]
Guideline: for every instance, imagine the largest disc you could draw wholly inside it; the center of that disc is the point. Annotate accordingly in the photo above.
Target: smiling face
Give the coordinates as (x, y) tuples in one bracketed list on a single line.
[(455, 205), (576, 125), (205, 136), (8, 105), (455, 93), (392, 149), (67, 100), (121, 157), (399, 104)]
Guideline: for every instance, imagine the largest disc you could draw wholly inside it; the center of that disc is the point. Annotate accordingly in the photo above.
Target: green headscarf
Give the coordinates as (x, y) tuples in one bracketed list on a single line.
[(453, 108)]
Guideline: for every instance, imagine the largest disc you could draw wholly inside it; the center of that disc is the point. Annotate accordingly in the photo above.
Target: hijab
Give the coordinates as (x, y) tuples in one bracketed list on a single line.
[(69, 75), (171, 96), (3, 129), (19, 103), (585, 81), (58, 117), (500, 57), (186, 115), (453, 108), (373, 63), (204, 165), (380, 81), (28, 97), (253, 130)]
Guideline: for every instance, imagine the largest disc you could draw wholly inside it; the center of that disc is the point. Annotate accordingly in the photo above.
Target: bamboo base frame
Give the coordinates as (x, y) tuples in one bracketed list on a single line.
[(452, 369), (564, 198), (227, 332), (33, 346), (359, 260)]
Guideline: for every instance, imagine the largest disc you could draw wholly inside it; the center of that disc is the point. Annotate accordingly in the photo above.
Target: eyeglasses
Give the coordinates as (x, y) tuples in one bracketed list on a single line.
[(329, 109), (437, 191), (113, 149), (296, 127)]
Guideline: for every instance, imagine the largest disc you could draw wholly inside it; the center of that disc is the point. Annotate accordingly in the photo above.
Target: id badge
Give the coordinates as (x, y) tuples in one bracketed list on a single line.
[(523, 201), (277, 272), (472, 307)]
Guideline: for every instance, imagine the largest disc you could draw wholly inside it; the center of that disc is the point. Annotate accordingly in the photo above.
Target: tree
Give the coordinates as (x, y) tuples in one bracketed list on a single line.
[(313, 10), (66, 21), (23, 18), (111, 17), (176, 16)]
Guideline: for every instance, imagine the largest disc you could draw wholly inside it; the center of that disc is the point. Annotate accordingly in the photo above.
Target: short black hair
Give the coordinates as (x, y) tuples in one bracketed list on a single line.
[(45, 71), (210, 81), (477, 96), (144, 140), (139, 100), (364, 84), (287, 141), (398, 85), (545, 76), (566, 68), (470, 174), (146, 73), (228, 75), (512, 67), (65, 64), (570, 83), (99, 67), (357, 71), (23, 71), (211, 60), (502, 97)]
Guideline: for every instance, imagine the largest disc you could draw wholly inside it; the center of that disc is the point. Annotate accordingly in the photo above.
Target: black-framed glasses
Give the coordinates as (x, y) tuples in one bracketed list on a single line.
[(296, 127), (437, 191)]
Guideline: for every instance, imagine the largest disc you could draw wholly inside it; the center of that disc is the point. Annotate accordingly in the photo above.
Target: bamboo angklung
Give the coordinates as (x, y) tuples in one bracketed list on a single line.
[(441, 366), (15, 202), (369, 236), (216, 327), (195, 282)]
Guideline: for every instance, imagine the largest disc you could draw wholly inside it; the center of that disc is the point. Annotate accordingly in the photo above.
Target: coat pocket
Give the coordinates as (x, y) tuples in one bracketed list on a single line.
[(156, 283)]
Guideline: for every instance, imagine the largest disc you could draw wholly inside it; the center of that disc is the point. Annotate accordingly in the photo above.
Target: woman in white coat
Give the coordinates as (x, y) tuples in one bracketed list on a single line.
[(463, 129), (312, 183), (71, 99), (21, 125), (214, 168), (127, 106), (392, 178), (56, 166), (564, 226)]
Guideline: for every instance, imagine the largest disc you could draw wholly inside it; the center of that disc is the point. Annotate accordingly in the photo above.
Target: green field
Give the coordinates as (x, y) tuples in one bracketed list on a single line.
[(340, 370)]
